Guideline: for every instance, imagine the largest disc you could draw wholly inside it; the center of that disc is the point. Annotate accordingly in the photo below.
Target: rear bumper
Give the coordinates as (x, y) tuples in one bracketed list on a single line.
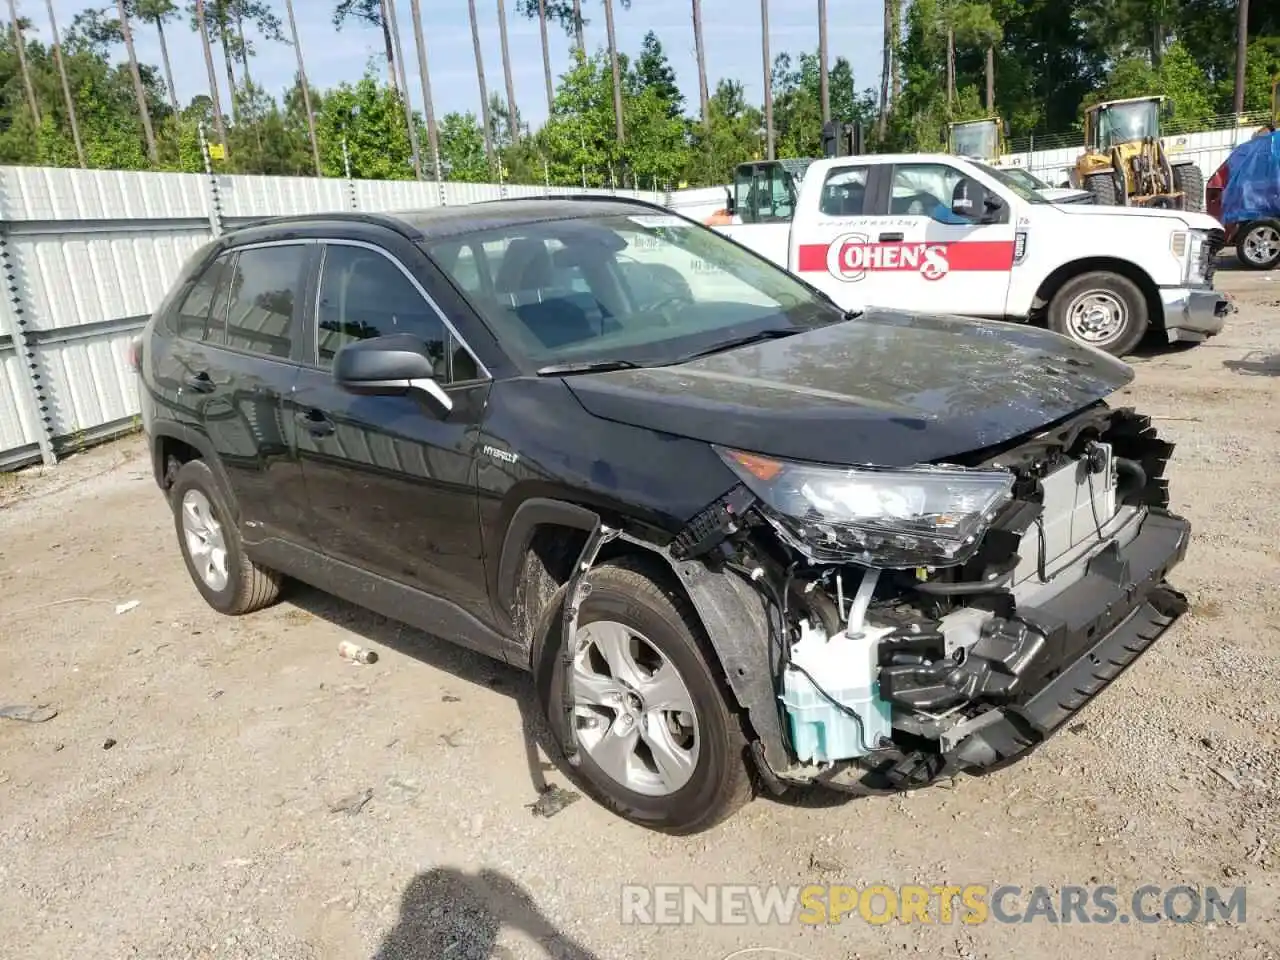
[(1100, 625), (1192, 315)]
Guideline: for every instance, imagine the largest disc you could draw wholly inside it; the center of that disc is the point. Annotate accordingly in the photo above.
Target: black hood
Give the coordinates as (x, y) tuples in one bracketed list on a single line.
[(887, 388)]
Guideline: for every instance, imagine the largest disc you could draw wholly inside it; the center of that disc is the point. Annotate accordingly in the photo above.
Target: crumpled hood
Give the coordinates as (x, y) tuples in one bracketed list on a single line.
[(887, 388), (1200, 221)]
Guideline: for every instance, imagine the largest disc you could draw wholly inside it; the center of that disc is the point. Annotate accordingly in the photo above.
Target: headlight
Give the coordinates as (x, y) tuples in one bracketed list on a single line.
[(921, 516), (1197, 262)]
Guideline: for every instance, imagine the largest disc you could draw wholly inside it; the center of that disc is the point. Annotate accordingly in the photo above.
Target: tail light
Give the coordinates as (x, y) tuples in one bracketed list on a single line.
[(135, 354)]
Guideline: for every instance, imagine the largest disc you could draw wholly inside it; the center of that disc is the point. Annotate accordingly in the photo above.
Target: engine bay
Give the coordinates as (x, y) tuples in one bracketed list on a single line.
[(883, 662)]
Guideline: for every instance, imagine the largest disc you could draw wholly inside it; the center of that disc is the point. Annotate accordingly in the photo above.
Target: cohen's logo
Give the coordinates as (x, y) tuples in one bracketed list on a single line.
[(852, 255)]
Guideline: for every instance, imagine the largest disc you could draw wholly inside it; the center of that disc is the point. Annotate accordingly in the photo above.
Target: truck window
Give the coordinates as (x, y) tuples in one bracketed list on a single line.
[(923, 189), (844, 191)]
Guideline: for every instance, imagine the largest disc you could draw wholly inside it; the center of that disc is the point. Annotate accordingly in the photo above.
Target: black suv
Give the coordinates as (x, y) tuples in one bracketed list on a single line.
[(739, 536)]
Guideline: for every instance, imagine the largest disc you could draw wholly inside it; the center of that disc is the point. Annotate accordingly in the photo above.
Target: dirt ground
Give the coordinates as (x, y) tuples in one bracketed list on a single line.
[(181, 803)]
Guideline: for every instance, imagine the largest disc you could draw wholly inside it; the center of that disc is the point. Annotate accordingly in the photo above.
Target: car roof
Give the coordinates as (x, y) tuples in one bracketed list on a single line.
[(435, 223)]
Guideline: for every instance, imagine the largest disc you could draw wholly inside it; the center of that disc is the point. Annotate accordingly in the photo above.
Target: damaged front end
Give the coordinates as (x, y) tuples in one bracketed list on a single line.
[(945, 618)]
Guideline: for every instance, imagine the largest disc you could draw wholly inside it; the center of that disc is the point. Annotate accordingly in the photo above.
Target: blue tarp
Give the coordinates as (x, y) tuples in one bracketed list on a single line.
[(1253, 181)]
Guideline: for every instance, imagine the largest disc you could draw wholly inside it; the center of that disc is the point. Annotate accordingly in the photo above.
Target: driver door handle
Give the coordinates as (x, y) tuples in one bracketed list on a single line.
[(315, 422), (891, 237)]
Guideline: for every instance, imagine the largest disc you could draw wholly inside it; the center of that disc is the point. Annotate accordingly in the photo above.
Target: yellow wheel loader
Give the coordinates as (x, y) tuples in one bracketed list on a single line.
[(1125, 164), (979, 139)]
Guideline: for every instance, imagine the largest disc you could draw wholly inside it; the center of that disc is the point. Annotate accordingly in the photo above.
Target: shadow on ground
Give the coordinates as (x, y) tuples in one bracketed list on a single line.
[(1255, 364), (542, 752), (446, 913)]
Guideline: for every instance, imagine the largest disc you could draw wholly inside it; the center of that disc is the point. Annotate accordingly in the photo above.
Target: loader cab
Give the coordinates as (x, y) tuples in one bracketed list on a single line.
[(1119, 122), (766, 191), (977, 139)]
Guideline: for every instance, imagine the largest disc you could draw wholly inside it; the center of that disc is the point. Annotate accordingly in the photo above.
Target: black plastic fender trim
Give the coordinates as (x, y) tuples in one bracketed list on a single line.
[(530, 515), (200, 443), (736, 619)]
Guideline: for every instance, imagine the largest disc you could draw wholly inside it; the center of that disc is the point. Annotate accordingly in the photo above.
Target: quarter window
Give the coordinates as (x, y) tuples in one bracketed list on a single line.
[(203, 313), (265, 285), (364, 294)]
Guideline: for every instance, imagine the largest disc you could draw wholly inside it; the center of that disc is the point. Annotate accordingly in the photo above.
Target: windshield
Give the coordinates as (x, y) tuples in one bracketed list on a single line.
[(978, 139), (1015, 180), (1128, 121), (647, 288)]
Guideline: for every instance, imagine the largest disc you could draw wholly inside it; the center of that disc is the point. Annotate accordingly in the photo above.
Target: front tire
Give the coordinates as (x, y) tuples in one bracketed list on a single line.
[(1100, 309), (1103, 188), (1189, 179), (657, 739), (210, 541), (1258, 246)]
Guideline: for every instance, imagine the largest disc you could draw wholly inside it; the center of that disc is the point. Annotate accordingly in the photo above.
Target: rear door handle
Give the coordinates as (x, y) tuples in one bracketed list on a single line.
[(199, 382), (316, 423), (891, 237)]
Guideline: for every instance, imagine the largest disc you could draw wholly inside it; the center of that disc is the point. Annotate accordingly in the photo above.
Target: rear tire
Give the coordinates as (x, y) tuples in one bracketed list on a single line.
[(1189, 179), (659, 631), (1103, 188), (210, 542), (1258, 245), (1100, 309)]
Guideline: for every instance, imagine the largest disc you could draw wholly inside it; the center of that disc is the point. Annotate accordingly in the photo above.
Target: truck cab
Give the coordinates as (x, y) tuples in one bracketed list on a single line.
[(947, 234)]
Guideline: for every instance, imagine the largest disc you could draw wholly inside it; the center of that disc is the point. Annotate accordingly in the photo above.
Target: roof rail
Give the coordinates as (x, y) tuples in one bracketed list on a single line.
[(351, 216), (596, 197)]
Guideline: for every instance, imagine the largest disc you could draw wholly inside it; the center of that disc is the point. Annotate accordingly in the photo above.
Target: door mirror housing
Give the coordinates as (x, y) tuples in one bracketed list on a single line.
[(730, 203), (974, 202), (388, 366)]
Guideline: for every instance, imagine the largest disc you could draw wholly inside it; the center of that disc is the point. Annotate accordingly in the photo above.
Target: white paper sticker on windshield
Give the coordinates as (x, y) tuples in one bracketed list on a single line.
[(659, 220)]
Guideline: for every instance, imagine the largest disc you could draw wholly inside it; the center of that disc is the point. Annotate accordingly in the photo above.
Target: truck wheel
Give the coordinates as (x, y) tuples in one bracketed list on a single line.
[(1100, 309), (658, 741), (229, 581), (1258, 245), (1103, 188), (1189, 180)]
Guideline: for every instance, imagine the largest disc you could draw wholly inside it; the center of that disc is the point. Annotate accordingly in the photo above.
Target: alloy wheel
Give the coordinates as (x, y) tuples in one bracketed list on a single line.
[(635, 715), (206, 543)]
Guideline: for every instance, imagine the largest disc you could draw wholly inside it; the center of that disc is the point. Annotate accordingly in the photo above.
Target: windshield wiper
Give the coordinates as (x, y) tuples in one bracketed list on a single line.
[(585, 366), (760, 337)]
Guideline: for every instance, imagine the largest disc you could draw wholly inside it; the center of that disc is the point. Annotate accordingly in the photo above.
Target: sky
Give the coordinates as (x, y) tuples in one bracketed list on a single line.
[(731, 32)]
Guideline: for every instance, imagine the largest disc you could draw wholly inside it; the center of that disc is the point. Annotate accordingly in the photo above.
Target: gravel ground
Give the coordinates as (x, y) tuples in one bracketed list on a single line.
[(184, 801)]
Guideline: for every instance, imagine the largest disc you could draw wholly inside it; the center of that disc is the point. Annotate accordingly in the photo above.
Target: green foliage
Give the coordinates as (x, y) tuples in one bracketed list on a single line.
[(462, 148), (1050, 57)]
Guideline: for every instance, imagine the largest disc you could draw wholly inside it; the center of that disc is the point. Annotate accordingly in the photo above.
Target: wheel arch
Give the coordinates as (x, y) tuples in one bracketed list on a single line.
[(177, 441), (1054, 282), (732, 613)]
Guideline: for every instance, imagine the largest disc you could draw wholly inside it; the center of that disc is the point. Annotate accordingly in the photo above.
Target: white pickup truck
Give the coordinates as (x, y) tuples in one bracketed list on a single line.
[(946, 234)]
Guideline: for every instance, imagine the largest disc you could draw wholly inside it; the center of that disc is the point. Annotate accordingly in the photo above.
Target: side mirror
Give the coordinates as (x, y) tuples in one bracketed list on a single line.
[(387, 367), (730, 203), (991, 207), (967, 200)]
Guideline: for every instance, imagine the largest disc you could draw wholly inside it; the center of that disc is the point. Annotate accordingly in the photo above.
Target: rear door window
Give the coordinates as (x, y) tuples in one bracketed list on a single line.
[(844, 191), (266, 284)]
